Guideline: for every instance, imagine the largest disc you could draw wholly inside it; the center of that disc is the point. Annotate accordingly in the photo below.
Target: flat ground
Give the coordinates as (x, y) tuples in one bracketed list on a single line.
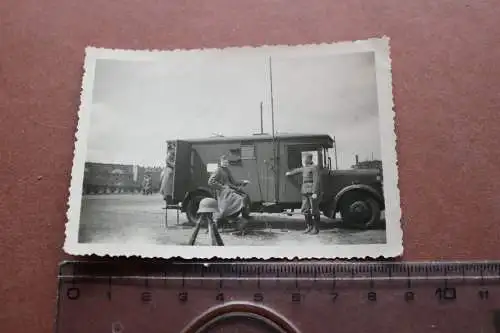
[(139, 219)]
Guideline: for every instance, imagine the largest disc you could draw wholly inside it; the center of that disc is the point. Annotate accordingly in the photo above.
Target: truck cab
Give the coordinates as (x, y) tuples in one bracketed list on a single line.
[(356, 193)]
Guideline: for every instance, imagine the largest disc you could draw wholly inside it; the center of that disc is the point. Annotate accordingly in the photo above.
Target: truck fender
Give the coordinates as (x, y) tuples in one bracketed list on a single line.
[(355, 187), (200, 190)]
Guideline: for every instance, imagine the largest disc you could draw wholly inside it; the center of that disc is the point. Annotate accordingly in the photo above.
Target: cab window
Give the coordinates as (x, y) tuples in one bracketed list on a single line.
[(296, 155)]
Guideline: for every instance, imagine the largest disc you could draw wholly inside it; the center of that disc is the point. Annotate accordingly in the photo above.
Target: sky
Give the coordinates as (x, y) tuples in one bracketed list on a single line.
[(139, 105)]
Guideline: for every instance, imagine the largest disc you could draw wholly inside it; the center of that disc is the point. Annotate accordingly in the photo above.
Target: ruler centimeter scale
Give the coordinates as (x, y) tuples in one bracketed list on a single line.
[(278, 297)]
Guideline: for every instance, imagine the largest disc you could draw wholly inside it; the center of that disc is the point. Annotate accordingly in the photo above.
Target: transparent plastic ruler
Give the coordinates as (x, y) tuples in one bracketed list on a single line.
[(324, 297)]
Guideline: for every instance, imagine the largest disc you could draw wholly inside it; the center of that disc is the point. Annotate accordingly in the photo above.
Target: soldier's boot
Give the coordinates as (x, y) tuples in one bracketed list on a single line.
[(242, 223), (309, 226), (315, 225)]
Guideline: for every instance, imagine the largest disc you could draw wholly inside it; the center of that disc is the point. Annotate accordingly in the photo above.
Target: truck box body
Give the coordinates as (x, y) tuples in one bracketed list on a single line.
[(259, 158)]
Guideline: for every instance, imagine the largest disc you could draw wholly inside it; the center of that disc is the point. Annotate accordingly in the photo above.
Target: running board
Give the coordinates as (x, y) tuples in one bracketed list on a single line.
[(271, 207)]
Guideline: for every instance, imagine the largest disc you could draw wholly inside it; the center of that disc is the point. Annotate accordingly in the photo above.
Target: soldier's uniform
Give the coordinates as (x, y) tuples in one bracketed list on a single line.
[(167, 178), (310, 185), (230, 202)]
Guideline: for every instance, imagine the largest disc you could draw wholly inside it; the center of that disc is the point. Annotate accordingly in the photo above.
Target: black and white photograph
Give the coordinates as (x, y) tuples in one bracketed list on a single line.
[(243, 152)]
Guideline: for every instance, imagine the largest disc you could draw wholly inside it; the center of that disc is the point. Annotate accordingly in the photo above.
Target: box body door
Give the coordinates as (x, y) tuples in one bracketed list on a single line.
[(182, 169), (250, 160), (199, 172)]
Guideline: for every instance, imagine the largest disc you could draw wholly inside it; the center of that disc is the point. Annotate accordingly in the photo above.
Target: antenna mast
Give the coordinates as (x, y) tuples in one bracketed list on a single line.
[(275, 157), (261, 119), (272, 95), (335, 152)]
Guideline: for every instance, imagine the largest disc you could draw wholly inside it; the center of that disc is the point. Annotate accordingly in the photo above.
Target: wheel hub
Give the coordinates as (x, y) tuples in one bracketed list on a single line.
[(359, 207)]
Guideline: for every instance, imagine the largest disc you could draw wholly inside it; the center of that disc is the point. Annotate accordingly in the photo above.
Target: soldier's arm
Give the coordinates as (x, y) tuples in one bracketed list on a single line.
[(238, 183), (214, 181), (233, 181), (295, 171), (316, 180)]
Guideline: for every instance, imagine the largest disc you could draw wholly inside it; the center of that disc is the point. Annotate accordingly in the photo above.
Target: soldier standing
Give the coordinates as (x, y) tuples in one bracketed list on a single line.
[(167, 177), (310, 193)]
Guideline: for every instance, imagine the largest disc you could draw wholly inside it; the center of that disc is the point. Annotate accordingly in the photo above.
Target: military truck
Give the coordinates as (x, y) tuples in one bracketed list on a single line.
[(357, 194)]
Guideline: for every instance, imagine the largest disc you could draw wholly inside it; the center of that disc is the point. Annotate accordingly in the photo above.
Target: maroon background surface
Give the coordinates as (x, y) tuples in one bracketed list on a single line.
[(446, 74)]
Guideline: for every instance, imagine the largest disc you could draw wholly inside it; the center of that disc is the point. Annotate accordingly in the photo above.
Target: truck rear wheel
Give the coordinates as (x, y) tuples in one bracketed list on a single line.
[(359, 210), (192, 207), (194, 203)]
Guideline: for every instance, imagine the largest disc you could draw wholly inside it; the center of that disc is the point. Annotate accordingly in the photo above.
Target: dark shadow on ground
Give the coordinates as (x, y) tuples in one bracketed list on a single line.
[(249, 233), (284, 223)]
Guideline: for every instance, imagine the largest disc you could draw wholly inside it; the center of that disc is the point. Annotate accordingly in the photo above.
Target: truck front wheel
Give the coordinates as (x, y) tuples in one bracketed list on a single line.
[(359, 210)]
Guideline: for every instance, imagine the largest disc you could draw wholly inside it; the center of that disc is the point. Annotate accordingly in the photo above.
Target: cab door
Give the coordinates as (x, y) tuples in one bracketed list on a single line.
[(293, 158), (292, 184)]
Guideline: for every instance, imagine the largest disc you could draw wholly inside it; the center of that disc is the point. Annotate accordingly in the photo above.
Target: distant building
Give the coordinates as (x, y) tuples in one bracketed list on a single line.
[(368, 164), (117, 178), (375, 164)]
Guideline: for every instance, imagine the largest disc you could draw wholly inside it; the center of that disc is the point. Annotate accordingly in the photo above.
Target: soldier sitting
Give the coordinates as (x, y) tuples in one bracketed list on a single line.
[(232, 202), (147, 186), (310, 193)]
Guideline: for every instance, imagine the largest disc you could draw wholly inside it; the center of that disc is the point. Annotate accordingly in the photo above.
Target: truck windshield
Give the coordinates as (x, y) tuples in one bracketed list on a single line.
[(330, 159)]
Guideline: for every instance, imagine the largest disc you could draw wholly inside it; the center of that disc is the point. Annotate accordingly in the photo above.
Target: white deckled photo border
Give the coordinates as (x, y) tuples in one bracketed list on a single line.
[(394, 234)]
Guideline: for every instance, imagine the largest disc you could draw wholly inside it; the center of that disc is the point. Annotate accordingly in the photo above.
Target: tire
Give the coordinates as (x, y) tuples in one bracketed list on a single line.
[(192, 207), (247, 208), (359, 210)]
